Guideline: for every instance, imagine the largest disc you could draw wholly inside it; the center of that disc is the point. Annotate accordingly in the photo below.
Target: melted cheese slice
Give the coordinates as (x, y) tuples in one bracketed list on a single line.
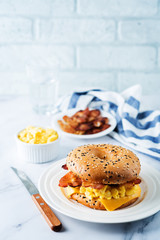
[(113, 204), (71, 190)]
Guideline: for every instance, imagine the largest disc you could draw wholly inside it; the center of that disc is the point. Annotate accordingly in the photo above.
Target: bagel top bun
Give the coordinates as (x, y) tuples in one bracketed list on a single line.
[(104, 163)]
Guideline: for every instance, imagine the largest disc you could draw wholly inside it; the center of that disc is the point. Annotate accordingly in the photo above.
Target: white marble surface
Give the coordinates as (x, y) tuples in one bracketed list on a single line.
[(20, 218)]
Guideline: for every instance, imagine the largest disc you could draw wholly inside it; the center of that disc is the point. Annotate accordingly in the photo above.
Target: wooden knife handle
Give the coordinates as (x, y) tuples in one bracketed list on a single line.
[(47, 213)]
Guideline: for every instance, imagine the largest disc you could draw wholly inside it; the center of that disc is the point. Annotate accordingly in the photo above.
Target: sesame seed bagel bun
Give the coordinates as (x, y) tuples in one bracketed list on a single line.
[(80, 198), (104, 163)]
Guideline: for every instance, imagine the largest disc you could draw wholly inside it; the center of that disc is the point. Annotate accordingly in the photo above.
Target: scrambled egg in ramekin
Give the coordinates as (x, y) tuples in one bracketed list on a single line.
[(37, 135), (37, 144)]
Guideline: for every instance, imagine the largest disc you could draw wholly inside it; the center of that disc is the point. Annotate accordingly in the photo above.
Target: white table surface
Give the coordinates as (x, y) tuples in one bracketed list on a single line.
[(19, 217)]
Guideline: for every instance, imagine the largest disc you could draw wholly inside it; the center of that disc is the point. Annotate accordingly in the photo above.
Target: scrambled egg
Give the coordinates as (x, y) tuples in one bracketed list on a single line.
[(107, 192), (111, 197), (37, 135)]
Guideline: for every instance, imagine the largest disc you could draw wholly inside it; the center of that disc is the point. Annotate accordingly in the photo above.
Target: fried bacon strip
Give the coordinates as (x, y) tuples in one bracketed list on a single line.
[(92, 185), (66, 127), (84, 126), (70, 179), (132, 183), (65, 167), (71, 121), (94, 113), (137, 181), (82, 113)]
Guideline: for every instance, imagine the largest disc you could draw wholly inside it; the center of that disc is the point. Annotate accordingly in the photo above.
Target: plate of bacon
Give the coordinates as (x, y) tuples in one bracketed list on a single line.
[(84, 124)]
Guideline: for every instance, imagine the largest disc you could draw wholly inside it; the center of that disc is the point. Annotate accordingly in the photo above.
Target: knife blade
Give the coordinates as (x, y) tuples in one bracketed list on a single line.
[(46, 211)]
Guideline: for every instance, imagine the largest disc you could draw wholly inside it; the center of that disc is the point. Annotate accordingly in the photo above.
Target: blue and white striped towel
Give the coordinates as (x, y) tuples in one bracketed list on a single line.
[(138, 130)]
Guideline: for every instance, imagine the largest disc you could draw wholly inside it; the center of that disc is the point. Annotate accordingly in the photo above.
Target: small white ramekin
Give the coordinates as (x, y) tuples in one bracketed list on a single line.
[(37, 153)]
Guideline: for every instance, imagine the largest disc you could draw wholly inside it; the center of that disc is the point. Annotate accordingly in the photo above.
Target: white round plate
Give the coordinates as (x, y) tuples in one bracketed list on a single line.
[(70, 112), (147, 205)]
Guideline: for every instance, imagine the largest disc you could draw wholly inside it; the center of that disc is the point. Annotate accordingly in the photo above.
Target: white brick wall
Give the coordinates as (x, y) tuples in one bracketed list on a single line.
[(130, 8), (139, 31), (150, 81), (128, 58), (34, 8), (15, 30), (77, 31), (109, 44), (15, 58)]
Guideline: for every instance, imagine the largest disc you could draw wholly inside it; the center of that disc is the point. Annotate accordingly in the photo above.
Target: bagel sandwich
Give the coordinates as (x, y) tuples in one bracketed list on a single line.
[(102, 176)]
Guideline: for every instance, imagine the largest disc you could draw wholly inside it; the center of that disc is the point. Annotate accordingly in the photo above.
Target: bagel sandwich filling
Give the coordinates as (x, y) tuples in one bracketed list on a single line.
[(102, 176)]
